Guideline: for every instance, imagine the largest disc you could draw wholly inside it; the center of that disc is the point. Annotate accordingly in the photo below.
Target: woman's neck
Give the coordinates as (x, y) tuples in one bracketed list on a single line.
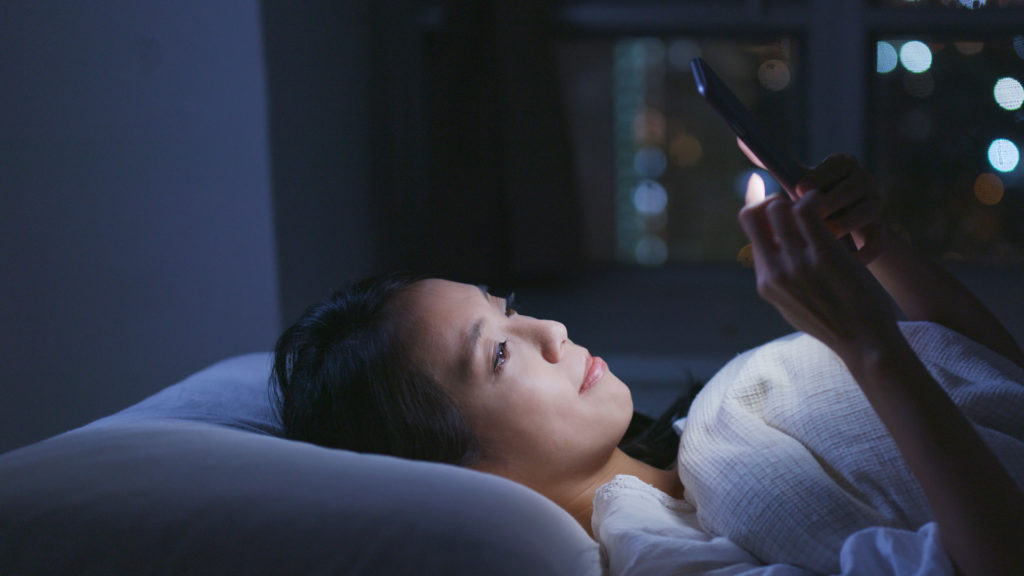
[(579, 501)]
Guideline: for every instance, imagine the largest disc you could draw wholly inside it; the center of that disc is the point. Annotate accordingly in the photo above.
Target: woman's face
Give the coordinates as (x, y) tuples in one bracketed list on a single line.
[(540, 405)]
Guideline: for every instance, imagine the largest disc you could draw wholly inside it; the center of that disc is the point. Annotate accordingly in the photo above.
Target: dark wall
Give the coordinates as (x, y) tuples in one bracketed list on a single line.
[(136, 227), (430, 146), (322, 86)]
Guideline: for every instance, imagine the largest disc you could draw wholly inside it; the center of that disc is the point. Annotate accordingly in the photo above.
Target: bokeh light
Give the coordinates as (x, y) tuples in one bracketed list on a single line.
[(685, 150), (1018, 46), (1003, 155), (969, 48), (972, 4), (774, 75), (650, 251), (681, 51), (650, 198), (916, 56), (988, 189), (1009, 93), (649, 162), (649, 127), (887, 59), (746, 256)]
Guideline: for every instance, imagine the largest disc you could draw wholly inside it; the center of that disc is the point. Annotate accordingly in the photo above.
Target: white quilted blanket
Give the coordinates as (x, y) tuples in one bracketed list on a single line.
[(782, 454)]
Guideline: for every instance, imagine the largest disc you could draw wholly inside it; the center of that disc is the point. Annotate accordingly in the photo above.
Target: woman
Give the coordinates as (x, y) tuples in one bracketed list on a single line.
[(441, 371)]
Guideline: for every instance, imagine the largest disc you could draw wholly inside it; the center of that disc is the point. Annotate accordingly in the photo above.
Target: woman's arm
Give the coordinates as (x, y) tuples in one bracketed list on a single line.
[(922, 289), (820, 288), (925, 291)]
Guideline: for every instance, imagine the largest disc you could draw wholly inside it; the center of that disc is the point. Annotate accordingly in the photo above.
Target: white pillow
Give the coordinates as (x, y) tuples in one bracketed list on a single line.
[(191, 481)]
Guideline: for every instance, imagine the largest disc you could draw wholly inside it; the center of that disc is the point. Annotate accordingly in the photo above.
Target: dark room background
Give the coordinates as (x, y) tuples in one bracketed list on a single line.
[(180, 181)]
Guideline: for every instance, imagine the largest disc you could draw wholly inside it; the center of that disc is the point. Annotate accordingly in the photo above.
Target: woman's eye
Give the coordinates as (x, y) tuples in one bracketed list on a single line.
[(501, 355), (510, 303)]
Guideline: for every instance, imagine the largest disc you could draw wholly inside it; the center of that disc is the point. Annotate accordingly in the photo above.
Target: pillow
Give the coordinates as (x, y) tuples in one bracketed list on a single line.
[(234, 393), (193, 481)]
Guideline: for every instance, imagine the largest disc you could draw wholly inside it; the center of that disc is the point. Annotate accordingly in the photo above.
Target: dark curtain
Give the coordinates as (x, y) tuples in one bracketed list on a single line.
[(503, 205)]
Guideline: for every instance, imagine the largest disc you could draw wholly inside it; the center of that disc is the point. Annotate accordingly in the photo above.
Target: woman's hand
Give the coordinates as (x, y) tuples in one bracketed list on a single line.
[(850, 201), (822, 289), (816, 284)]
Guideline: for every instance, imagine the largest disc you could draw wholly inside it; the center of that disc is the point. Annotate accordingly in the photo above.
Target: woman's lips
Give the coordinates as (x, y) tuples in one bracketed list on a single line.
[(596, 368)]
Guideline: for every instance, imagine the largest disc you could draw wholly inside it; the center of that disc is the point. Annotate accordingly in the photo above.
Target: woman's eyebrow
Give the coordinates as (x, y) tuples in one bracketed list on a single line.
[(473, 337)]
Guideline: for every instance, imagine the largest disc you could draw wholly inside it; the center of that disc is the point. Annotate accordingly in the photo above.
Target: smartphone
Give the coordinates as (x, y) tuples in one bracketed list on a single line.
[(786, 171), (780, 165)]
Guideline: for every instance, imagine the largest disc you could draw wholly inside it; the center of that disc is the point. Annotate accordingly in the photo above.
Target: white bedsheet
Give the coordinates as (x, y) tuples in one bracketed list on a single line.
[(783, 458)]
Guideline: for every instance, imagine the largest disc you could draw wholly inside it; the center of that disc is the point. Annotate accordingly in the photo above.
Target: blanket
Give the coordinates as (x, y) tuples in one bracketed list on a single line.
[(782, 454), (645, 532)]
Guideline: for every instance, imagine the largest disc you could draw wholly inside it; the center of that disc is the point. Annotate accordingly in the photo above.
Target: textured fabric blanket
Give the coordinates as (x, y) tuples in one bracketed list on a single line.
[(782, 453), (645, 532)]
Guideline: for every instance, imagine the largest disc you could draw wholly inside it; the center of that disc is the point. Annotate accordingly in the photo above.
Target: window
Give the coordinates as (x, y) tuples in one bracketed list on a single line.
[(926, 93), (945, 137), (656, 155)]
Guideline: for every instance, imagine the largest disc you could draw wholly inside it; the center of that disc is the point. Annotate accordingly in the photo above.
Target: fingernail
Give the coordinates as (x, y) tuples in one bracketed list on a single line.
[(755, 189)]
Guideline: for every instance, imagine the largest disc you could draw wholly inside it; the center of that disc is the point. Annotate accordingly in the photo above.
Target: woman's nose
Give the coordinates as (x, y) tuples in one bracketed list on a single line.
[(553, 338)]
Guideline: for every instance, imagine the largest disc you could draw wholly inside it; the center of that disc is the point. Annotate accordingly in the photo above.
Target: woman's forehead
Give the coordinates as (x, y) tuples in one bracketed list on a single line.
[(439, 315), (435, 295)]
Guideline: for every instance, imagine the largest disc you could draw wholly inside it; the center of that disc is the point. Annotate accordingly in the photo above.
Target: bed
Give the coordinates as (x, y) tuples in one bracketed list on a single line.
[(197, 480)]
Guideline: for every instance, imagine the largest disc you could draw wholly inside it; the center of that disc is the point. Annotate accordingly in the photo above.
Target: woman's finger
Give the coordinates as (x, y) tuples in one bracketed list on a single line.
[(827, 174), (768, 268), (754, 221), (866, 212), (812, 227), (755, 189), (791, 241), (840, 196)]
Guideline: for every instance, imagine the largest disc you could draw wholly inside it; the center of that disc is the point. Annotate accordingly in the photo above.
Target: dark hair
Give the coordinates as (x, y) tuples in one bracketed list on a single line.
[(342, 379)]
